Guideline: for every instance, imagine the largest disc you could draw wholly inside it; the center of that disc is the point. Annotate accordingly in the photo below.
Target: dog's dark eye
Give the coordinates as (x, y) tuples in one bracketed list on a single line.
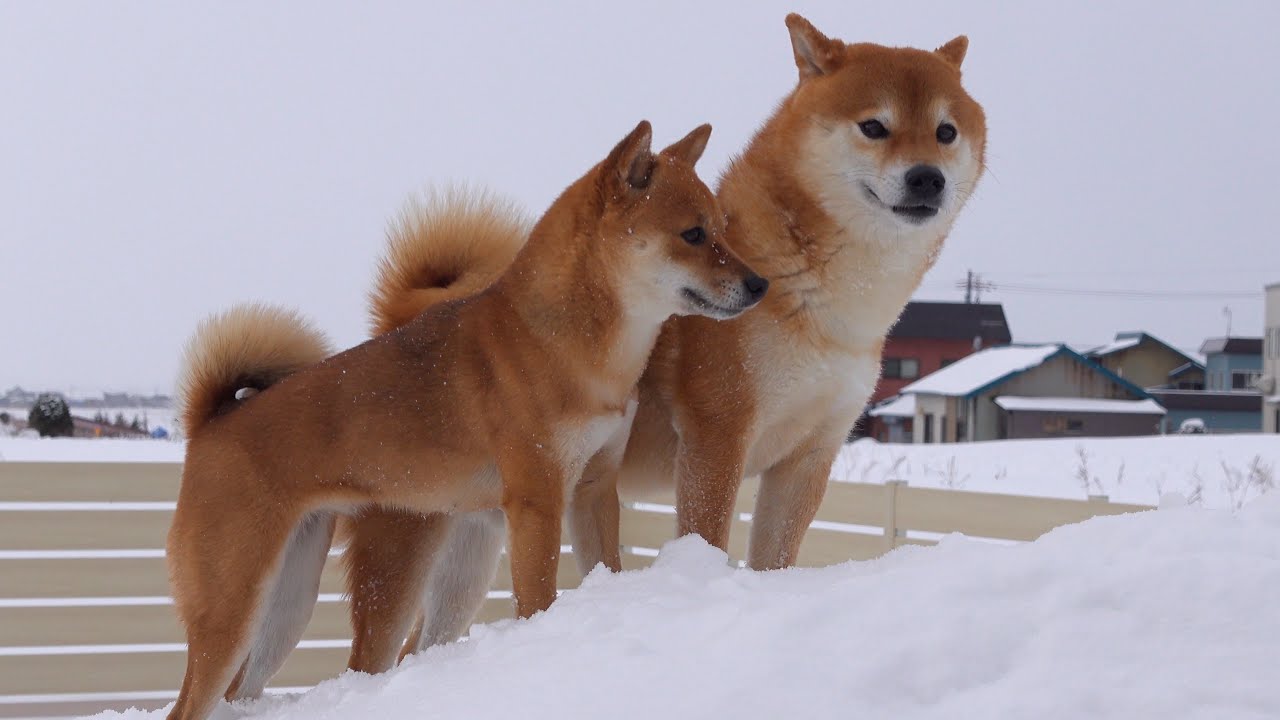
[(947, 133), (694, 235), (874, 129)]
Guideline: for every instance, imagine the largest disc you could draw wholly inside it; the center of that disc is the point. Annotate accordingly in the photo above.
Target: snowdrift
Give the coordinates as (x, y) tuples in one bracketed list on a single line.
[(1166, 614)]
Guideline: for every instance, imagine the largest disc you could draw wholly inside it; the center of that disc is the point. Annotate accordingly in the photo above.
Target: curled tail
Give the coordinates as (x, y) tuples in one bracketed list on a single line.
[(247, 347), (444, 247)]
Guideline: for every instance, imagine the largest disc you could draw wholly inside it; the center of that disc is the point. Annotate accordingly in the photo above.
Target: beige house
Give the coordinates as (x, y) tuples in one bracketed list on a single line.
[(1026, 391), (1270, 384), (1147, 361)]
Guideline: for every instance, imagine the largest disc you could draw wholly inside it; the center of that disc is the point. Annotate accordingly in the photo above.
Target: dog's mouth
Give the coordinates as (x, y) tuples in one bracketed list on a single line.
[(704, 306), (915, 214)]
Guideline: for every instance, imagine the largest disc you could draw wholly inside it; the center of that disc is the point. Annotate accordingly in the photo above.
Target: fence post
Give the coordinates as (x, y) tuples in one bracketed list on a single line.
[(891, 513)]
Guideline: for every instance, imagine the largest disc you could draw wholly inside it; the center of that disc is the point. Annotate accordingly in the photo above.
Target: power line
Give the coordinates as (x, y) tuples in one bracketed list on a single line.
[(974, 284)]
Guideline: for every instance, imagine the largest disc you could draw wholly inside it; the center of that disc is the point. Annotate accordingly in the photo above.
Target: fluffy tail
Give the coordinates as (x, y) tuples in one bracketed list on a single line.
[(249, 347), (444, 247)]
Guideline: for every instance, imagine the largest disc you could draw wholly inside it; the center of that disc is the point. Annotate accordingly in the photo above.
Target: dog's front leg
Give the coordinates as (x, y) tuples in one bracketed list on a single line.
[(709, 468), (533, 486)]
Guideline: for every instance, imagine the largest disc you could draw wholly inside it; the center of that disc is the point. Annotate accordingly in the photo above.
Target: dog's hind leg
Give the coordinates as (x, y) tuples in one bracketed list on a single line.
[(289, 607), (388, 559), (460, 578), (222, 568), (594, 514)]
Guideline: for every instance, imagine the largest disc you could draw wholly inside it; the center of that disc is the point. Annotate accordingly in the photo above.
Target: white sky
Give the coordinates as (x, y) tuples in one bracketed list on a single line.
[(160, 161)]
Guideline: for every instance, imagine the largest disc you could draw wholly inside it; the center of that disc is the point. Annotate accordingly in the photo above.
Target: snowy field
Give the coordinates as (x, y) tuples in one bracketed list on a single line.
[(1217, 471), (1166, 614)]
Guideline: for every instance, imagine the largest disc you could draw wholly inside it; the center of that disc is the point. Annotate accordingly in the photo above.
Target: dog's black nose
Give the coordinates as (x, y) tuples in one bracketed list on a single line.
[(924, 182), (756, 286)]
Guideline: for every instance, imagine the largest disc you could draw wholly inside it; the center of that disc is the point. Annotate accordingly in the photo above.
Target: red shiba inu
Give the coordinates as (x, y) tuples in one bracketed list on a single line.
[(497, 400), (843, 199)]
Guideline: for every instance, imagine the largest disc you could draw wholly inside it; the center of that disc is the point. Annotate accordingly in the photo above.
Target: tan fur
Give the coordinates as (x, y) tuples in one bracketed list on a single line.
[(493, 401), (249, 346), (775, 392), (446, 246)]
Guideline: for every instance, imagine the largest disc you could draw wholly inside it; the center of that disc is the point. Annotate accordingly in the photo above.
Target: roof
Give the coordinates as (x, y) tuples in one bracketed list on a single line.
[(1232, 346), (1226, 401), (1186, 368), (1080, 405), (986, 369), (1133, 338), (953, 321), (896, 406)]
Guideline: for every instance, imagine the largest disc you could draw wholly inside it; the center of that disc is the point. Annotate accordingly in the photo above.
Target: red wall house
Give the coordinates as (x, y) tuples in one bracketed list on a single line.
[(927, 337)]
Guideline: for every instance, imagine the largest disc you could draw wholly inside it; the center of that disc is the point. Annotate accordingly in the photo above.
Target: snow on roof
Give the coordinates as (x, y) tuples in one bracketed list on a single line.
[(898, 406), (1121, 343), (982, 368), (1080, 405)]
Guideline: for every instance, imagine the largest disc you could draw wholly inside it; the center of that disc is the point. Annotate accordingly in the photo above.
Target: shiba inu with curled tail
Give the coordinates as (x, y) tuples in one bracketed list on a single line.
[(497, 400), (843, 199)]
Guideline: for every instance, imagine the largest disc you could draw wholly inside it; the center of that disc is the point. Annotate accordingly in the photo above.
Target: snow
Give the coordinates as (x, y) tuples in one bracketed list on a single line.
[(1163, 614), (1081, 405), (898, 406), (28, 449), (1122, 343), (1215, 470), (981, 368)]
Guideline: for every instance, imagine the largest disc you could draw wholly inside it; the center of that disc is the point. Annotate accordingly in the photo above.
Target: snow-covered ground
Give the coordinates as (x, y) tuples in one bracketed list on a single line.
[(27, 449), (1226, 470), (1165, 614)]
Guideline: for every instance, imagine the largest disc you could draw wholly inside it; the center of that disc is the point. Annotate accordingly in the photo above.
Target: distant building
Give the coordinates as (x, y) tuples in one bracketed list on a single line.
[(1270, 382), (1232, 363), (927, 337), (87, 428), (1219, 411), (1147, 361), (1016, 392)]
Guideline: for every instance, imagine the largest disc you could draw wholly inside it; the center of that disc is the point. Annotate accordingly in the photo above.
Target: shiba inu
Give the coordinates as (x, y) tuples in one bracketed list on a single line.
[(843, 199), (494, 401)]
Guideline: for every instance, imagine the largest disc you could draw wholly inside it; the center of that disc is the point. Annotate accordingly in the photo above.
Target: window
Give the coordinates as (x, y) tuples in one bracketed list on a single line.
[(1245, 379), (1062, 426), (928, 428), (901, 368)]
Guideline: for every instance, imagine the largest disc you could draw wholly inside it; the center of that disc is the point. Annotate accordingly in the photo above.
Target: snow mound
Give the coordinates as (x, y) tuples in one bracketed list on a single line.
[(1169, 613)]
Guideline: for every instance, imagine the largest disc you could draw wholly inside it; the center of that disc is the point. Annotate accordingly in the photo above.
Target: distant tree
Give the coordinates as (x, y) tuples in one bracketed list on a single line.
[(120, 422), (51, 417), (136, 424)]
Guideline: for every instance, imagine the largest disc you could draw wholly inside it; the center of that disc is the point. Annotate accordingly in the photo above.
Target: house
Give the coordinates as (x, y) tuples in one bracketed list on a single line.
[(1147, 361), (1216, 410), (1027, 391), (1232, 363), (88, 428), (927, 337), (1270, 382)]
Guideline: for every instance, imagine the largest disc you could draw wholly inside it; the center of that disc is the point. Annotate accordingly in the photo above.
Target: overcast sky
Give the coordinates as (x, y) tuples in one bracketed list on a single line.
[(161, 161)]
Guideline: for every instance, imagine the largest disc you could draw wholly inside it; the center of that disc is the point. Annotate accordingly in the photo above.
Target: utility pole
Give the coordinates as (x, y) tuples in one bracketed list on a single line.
[(968, 288)]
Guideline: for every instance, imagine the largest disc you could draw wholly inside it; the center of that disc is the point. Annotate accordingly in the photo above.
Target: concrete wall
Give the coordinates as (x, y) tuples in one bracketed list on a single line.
[(1215, 421)]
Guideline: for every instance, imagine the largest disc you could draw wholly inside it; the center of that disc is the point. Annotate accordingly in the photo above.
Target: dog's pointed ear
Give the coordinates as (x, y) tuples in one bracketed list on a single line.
[(953, 52), (690, 147), (630, 163), (816, 54)]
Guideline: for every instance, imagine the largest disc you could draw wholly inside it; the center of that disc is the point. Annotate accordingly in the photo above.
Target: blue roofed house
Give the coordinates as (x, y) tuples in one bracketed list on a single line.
[(1025, 391), (1231, 401), (1147, 361)]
